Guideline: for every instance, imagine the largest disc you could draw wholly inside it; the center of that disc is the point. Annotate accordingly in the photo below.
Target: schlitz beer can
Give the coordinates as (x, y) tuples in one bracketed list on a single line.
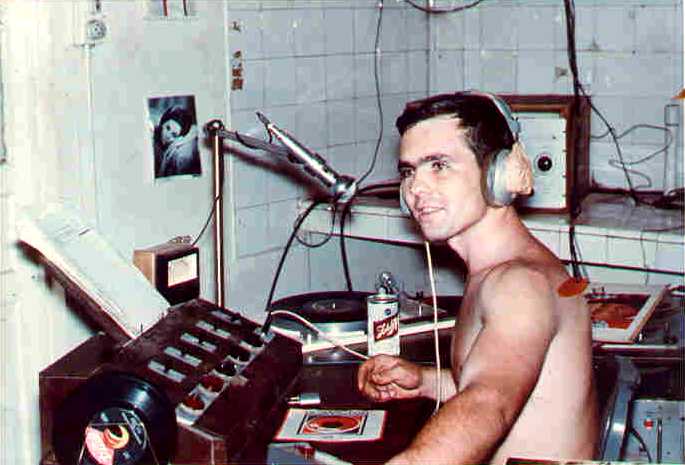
[(383, 324)]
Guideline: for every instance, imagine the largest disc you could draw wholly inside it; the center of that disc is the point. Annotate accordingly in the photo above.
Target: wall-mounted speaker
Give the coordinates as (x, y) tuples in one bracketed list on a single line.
[(555, 131)]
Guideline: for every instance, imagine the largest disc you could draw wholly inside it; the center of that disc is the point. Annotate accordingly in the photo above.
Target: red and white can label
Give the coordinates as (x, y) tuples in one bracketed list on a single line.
[(383, 324)]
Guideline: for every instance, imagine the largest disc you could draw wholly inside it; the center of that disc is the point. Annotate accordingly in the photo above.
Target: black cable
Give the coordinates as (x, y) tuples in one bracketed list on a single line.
[(578, 88), (378, 95), (329, 235), (379, 140), (437, 11), (637, 436), (212, 211), (343, 215), (343, 252), (209, 217), (575, 206), (296, 228)]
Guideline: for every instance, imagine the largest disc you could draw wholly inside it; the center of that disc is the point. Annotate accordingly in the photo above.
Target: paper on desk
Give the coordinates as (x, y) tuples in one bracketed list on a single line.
[(91, 263), (331, 425)]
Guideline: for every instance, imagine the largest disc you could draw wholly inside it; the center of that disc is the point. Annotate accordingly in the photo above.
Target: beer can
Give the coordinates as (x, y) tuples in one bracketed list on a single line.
[(383, 324)]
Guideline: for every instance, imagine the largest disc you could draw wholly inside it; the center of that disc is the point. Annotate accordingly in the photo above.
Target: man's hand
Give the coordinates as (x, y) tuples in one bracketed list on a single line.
[(385, 377)]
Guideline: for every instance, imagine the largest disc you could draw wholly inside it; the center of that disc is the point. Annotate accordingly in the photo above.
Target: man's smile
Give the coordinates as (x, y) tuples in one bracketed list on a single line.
[(427, 212)]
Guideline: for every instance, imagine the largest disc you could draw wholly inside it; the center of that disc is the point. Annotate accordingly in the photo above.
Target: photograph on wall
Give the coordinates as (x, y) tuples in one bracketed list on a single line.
[(173, 124)]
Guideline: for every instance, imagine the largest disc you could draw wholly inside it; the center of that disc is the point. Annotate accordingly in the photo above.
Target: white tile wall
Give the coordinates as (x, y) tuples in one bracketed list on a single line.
[(309, 32), (341, 127), (339, 77), (310, 126), (656, 28), (337, 26), (498, 32), (310, 79), (393, 31), (278, 37), (535, 70), (449, 71), (393, 73), (252, 94), (498, 71), (252, 222), (448, 31), (367, 119), (364, 83), (280, 85), (540, 27), (245, 33), (616, 27), (314, 64)]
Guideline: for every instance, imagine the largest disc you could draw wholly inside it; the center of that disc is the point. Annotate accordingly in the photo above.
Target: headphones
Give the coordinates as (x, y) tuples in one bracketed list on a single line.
[(494, 179)]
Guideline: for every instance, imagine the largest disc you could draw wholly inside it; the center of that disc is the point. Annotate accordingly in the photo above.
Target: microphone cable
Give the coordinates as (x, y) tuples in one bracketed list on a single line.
[(286, 249)]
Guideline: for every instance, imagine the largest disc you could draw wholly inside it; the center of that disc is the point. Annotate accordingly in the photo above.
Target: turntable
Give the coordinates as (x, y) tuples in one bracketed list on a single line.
[(342, 314)]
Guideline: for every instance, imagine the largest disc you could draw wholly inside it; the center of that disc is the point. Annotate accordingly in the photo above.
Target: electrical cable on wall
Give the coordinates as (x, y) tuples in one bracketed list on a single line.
[(379, 140), (376, 65), (296, 228), (578, 89), (668, 142), (209, 217), (345, 212), (334, 208)]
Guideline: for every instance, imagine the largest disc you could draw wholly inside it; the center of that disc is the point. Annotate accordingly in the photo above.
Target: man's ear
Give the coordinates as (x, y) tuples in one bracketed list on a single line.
[(519, 172)]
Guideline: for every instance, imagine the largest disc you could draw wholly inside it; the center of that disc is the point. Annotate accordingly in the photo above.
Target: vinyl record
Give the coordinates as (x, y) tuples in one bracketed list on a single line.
[(115, 418), (326, 307)]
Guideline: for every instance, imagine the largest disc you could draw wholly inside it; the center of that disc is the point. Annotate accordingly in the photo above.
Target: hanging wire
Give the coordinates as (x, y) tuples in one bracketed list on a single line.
[(376, 63), (286, 249), (578, 89), (334, 208)]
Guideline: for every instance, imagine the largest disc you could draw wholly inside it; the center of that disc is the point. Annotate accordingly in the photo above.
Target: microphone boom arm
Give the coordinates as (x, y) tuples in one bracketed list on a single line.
[(341, 187)]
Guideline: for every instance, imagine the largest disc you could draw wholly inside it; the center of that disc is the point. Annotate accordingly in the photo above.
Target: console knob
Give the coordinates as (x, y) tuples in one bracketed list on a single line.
[(227, 368)]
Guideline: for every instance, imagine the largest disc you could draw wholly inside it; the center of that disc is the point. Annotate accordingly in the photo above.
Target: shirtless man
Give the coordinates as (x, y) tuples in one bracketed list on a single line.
[(520, 383)]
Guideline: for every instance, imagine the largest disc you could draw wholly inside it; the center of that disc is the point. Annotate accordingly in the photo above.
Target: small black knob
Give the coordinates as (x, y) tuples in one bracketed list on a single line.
[(226, 368), (544, 163)]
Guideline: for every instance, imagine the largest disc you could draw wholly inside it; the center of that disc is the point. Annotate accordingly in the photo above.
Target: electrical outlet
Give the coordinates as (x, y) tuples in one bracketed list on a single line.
[(96, 30), (89, 27)]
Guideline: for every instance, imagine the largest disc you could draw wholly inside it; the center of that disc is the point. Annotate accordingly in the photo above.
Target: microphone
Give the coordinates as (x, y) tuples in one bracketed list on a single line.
[(341, 187)]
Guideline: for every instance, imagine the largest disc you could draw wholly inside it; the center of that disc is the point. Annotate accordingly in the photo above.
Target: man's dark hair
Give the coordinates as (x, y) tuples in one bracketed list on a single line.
[(486, 128)]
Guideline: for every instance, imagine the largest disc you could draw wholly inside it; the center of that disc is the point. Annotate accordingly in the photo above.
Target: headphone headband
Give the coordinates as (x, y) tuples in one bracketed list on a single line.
[(503, 108)]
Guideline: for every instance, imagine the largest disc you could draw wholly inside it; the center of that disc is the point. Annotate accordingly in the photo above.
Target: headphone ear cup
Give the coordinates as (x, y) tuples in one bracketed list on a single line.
[(403, 203), (494, 181)]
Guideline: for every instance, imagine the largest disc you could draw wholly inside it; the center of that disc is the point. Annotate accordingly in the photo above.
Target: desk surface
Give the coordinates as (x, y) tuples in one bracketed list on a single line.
[(332, 374)]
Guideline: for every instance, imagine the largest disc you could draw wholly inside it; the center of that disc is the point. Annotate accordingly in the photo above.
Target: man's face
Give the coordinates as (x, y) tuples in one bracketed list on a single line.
[(440, 178)]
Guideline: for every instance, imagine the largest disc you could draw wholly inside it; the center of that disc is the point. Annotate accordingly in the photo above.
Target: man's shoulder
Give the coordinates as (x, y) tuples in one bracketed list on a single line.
[(524, 285), (521, 274)]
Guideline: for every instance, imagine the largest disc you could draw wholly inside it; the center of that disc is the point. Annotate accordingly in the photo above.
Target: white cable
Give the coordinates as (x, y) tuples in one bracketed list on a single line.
[(320, 333), (438, 369)]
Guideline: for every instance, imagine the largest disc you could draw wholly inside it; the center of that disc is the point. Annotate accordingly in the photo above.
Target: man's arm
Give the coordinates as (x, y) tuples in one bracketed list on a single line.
[(503, 365)]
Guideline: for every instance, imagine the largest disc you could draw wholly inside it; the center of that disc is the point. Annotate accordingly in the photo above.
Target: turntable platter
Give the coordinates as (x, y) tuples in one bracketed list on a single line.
[(326, 307)]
